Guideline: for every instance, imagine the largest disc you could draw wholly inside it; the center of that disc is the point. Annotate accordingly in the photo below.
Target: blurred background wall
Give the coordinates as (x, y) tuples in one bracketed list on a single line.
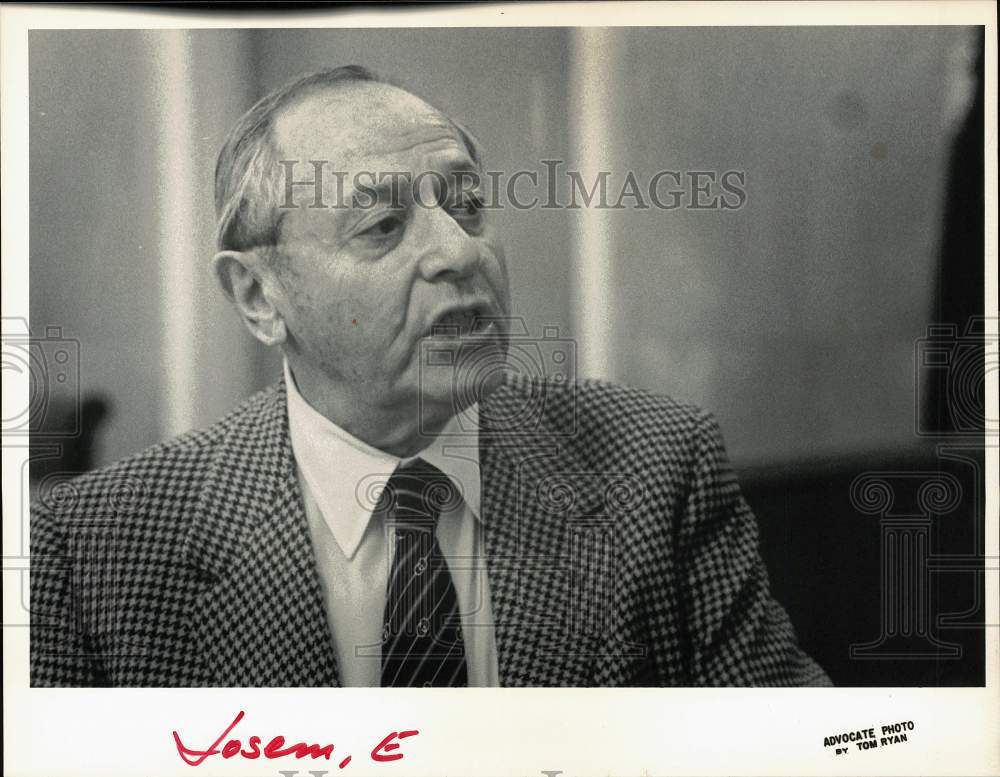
[(793, 319)]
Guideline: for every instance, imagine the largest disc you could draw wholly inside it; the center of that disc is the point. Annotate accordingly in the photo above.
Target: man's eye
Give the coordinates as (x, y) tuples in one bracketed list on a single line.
[(382, 228)]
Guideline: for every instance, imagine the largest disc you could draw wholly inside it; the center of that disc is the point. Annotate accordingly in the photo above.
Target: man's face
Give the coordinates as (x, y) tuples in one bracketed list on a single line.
[(364, 283)]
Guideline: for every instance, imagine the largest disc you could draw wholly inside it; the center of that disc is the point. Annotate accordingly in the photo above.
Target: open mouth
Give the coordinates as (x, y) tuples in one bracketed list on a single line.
[(461, 323)]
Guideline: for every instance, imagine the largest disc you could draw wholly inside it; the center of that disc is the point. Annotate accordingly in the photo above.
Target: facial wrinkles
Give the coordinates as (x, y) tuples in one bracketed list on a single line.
[(370, 120), (330, 226), (420, 300), (363, 128), (423, 152), (390, 135), (374, 131)]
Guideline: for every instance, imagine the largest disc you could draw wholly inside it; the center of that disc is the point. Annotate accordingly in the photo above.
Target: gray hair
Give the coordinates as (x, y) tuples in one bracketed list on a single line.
[(247, 185)]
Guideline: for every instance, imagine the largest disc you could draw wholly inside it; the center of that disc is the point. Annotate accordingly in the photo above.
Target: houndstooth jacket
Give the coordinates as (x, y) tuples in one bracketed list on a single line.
[(619, 549)]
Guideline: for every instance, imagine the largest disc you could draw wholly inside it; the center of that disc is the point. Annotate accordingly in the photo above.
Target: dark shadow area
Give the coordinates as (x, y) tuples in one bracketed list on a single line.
[(828, 567), (76, 451), (955, 384)]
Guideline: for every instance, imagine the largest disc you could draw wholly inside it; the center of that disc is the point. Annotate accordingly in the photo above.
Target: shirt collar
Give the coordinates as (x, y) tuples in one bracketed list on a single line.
[(342, 471)]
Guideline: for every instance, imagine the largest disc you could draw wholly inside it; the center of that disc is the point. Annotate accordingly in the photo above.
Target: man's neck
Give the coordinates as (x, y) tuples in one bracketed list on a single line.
[(398, 431)]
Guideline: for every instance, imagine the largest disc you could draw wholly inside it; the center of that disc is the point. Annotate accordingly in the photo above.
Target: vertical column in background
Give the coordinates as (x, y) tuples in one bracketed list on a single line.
[(595, 57), (170, 52), (201, 82)]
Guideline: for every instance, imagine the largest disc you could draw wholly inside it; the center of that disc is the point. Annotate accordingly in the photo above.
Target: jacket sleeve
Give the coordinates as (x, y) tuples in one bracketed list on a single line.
[(61, 652), (738, 634)]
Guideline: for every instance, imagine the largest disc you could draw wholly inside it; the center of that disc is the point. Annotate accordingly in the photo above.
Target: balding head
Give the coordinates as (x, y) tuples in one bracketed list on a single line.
[(293, 121)]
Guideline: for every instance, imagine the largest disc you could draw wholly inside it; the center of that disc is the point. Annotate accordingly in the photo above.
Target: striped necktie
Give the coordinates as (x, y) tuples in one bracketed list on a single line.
[(422, 643)]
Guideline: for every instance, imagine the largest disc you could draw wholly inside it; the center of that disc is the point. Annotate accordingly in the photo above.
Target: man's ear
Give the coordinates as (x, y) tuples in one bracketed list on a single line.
[(242, 276)]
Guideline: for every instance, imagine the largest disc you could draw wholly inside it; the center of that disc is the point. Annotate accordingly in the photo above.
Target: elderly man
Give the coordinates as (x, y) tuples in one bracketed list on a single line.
[(397, 511)]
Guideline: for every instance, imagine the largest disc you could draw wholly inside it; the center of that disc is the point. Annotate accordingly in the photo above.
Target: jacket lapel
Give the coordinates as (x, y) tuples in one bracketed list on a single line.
[(540, 507), (261, 620)]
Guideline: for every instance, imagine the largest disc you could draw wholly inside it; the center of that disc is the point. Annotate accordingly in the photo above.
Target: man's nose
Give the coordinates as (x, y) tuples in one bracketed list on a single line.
[(449, 251)]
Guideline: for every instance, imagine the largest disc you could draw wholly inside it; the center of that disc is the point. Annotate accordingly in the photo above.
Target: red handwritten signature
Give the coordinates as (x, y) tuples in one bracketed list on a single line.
[(277, 747)]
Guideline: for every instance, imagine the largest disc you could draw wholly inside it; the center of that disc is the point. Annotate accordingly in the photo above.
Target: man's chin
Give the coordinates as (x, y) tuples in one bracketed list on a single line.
[(448, 391)]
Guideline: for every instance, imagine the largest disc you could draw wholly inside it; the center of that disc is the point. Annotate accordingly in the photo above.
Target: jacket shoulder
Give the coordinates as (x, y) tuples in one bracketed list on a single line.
[(166, 472), (617, 415)]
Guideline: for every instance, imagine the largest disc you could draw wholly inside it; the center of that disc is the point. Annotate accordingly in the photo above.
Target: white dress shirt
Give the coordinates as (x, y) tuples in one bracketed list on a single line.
[(339, 475)]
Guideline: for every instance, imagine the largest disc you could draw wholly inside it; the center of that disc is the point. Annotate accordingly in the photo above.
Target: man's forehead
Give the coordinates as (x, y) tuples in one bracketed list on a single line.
[(358, 122)]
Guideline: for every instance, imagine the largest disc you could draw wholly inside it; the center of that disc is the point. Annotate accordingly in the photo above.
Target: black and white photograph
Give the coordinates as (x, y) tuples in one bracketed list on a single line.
[(554, 356)]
